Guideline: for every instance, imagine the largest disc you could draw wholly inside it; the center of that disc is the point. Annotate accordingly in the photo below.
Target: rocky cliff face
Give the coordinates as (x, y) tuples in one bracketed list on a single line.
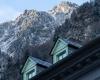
[(83, 24), (63, 11), (30, 34), (32, 28), (33, 31)]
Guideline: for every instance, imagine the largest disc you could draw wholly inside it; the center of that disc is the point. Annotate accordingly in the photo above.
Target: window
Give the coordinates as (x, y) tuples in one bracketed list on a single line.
[(31, 74), (61, 55)]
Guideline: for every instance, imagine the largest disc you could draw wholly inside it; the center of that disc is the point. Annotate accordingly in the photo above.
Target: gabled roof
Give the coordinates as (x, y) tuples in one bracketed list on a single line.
[(89, 53), (41, 62), (55, 45), (70, 42), (36, 61), (73, 42)]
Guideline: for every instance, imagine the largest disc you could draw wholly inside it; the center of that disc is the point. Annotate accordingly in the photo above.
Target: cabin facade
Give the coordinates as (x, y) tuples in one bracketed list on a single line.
[(61, 49), (32, 67), (83, 64), (64, 47)]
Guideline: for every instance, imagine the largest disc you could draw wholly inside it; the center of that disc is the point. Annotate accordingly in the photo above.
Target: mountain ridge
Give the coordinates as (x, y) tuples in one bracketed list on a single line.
[(33, 32)]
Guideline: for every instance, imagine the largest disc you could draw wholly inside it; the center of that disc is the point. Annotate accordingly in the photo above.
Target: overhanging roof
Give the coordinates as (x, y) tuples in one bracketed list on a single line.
[(92, 48), (41, 62), (37, 62), (70, 42), (73, 42)]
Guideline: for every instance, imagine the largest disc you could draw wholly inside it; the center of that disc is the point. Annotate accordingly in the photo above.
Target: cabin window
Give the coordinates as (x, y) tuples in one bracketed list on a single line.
[(61, 55), (31, 74)]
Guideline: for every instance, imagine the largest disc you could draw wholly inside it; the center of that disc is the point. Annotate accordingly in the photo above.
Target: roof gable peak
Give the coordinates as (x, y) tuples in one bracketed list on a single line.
[(60, 40), (29, 62)]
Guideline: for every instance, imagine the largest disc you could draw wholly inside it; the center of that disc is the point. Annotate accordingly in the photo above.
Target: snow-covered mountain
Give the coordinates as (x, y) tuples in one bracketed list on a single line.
[(30, 29), (32, 33), (63, 11)]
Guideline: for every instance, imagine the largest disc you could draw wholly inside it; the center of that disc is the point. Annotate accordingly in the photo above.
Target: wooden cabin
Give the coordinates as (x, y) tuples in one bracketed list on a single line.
[(64, 47), (61, 49), (33, 66), (83, 64)]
